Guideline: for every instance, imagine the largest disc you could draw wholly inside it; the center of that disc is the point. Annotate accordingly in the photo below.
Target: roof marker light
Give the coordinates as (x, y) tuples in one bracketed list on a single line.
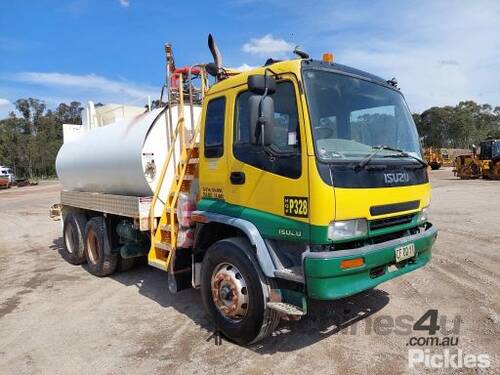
[(328, 57)]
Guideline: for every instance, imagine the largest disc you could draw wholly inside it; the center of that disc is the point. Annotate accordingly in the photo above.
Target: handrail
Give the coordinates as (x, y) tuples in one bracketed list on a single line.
[(175, 135), (202, 89), (171, 150), (171, 202)]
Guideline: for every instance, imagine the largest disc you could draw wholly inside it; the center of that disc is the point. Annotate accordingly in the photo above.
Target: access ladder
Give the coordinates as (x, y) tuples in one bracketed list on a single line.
[(164, 232)]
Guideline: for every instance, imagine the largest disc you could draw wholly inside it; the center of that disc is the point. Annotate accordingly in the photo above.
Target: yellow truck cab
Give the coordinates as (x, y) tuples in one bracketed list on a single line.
[(318, 199)]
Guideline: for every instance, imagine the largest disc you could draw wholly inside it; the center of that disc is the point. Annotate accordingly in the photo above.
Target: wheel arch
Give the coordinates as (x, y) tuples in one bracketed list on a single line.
[(215, 227)]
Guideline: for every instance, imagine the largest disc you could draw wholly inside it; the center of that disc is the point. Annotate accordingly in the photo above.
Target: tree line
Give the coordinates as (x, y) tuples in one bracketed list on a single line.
[(460, 126), (31, 136)]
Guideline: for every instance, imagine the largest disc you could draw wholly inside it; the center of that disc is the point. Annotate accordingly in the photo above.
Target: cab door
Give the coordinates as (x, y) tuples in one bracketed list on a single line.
[(269, 185), (213, 150)]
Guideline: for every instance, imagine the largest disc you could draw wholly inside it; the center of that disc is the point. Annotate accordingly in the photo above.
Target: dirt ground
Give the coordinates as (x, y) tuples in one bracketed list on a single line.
[(56, 318)]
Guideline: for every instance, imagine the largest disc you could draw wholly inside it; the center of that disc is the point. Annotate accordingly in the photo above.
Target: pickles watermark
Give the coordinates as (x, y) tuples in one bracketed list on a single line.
[(447, 359), (433, 338)]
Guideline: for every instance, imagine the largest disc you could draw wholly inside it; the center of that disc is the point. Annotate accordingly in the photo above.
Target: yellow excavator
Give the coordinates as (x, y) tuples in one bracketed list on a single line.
[(445, 155), (486, 164), (433, 157)]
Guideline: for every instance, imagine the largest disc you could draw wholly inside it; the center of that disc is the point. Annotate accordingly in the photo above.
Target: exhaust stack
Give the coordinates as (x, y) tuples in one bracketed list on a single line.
[(215, 68)]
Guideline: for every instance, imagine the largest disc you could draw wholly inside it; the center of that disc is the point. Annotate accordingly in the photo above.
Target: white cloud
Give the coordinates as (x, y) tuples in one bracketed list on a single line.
[(125, 3), (245, 67), (4, 102), (55, 88), (268, 46), (440, 52), (88, 82)]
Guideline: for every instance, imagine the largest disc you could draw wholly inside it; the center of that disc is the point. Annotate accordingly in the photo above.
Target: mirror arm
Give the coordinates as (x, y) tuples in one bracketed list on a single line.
[(262, 120)]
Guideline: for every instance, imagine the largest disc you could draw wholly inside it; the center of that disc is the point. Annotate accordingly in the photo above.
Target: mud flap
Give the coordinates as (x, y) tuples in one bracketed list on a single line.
[(180, 272)]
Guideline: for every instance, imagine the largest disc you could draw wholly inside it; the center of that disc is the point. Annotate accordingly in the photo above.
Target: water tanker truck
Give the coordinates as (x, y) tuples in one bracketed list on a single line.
[(298, 180)]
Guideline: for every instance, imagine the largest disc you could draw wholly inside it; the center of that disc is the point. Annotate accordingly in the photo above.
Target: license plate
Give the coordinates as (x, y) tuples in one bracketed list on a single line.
[(404, 252)]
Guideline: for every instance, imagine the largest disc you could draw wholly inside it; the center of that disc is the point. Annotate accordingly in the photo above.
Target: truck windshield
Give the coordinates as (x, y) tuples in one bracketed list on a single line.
[(351, 116)]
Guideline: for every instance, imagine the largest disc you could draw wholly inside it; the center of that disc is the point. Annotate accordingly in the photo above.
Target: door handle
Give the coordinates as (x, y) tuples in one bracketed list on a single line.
[(237, 178)]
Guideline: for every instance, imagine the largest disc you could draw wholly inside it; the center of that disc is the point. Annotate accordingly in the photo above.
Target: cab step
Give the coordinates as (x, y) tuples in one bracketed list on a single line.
[(286, 309), (191, 161), (163, 246), (187, 177), (165, 227), (157, 263)]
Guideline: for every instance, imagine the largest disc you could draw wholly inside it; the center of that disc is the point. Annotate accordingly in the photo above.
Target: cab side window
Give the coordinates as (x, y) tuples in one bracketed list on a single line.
[(214, 128), (282, 157)]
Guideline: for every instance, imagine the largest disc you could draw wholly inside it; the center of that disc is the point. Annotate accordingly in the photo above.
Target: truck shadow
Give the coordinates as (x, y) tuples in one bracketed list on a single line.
[(324, 318)]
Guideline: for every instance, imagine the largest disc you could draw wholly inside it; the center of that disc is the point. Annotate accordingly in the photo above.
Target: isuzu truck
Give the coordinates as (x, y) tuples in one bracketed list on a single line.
[(300, 179)]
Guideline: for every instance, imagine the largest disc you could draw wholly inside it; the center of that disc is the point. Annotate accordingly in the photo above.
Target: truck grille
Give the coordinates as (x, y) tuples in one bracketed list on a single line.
[(391, 221), (394, 207)]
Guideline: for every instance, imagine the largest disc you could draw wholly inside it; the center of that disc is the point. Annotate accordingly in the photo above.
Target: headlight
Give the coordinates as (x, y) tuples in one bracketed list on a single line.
[(423, 215), (345, 229)]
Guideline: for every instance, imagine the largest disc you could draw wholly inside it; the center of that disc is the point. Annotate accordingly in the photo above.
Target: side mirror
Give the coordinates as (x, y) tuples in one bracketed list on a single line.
[(258, 83), (261, 119), (261, 108)]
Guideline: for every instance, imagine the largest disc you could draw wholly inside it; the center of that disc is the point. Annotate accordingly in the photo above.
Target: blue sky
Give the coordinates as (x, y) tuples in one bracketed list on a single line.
[(112, 50)]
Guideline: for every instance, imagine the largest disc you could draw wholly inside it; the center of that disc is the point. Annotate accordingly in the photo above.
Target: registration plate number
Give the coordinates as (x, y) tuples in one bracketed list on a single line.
[(404, 252)]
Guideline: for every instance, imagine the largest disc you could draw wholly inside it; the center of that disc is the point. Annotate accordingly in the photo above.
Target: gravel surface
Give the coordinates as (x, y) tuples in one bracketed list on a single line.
[(56, 318)]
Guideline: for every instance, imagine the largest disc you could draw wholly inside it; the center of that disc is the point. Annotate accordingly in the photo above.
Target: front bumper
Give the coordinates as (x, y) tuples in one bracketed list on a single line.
[(327, 281)]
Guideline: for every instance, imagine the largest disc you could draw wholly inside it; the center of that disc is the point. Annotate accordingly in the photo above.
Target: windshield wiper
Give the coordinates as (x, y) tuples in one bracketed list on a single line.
[(406, 155), (370, 156), (400, 154)]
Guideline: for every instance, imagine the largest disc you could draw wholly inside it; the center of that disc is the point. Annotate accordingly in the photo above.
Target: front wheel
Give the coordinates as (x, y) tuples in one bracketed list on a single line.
[(234, 292)]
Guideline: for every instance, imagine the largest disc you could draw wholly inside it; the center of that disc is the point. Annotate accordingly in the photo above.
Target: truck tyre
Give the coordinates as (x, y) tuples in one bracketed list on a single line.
[(73, 241), (99, 262), (234, 292)]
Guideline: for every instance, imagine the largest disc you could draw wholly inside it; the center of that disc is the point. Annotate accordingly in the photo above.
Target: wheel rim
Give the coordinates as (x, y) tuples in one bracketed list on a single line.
[(229, 292), (92, 246), (69, 238)]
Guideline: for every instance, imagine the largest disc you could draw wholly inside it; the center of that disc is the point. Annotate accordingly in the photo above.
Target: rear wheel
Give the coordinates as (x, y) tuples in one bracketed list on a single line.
[(73, 238), (495, 171), (475, 170), (234, 292), (100, 263)]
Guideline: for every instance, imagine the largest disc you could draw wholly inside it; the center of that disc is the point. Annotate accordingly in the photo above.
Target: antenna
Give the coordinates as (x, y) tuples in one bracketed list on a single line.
[(301, 54)]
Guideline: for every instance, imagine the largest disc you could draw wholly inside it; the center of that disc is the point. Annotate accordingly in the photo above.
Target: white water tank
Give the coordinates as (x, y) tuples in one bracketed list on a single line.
[(124, 157)]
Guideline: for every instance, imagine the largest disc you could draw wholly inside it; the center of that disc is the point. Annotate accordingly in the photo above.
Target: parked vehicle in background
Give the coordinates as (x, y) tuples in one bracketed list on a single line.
[(433, 157), (486, 164), (4, 182), (446, 157), (7, 174)]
